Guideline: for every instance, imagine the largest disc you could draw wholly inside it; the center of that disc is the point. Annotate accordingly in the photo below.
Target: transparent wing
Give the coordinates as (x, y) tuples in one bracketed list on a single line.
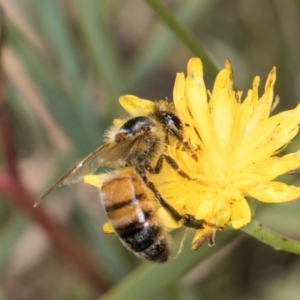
[(109, 154)]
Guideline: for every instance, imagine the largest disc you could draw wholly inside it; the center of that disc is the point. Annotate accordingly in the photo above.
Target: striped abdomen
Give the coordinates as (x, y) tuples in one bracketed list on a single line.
[(132, 215)]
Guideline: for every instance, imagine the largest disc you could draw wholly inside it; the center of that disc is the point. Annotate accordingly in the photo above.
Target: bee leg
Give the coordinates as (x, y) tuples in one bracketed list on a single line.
[(179, 137), (186, 145), (171, 162)]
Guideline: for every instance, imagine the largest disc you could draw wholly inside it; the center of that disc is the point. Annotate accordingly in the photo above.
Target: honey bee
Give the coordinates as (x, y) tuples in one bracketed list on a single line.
[(135, 149)]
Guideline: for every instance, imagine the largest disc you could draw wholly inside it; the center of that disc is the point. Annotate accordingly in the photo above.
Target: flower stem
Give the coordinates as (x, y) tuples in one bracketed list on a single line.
[(267, 236)]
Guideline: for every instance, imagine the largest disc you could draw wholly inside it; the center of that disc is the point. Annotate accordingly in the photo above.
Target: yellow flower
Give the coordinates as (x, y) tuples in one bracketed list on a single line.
[(237, 144)]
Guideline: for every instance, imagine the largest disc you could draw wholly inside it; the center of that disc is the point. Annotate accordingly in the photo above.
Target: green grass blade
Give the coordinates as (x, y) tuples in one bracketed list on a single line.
[(25, 116), (102, 50), (160, 43), (184, 35), (58, 100), (59, 40)]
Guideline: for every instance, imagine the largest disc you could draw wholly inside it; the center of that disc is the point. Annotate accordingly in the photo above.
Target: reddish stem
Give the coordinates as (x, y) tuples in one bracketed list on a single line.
[(7, 143)]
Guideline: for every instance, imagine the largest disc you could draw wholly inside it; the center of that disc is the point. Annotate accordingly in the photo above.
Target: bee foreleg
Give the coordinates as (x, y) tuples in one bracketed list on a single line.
[(186, 145), (178, 136)]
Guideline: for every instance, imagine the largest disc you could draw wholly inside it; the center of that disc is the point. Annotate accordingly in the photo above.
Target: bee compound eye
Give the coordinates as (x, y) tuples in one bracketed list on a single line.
[(173, 121), (136, 125)]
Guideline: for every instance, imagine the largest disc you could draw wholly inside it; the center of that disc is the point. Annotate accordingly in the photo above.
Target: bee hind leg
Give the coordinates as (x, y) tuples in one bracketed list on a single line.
[(175, 215), (185, 220)]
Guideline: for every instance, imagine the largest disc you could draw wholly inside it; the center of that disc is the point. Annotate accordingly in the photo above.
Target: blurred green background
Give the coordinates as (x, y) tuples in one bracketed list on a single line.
[(65, 64)]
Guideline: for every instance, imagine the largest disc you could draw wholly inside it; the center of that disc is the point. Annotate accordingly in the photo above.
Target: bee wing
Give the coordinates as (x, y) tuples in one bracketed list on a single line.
[(109, 154)]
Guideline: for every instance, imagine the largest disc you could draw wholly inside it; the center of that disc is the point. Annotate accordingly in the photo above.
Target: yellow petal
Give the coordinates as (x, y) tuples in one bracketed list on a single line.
[(271, 135), (196, 98), (265, 102), (107, 228), (95, 180), (136, 106), (118, 122), (166, 220), (179, 96), (245, 117), (213, 208), (275, 192), (222, 107), (224, 79), (240, 213), (195, 86), (275, 166)]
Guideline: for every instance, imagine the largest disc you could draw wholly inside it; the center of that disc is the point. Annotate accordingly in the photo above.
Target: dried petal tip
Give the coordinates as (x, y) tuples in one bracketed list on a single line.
[(200, 238)]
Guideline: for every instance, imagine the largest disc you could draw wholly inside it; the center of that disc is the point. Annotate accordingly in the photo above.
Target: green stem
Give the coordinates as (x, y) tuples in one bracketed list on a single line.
[(265, 235)]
